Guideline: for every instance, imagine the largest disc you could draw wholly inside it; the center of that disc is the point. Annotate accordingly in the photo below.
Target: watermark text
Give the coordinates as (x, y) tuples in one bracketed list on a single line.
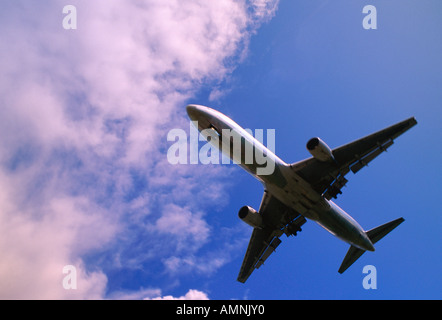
[(239, 146)]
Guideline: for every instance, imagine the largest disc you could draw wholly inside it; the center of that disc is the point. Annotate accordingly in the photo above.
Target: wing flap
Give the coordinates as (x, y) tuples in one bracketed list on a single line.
[(371, 156), (258, 244), (270, 249)]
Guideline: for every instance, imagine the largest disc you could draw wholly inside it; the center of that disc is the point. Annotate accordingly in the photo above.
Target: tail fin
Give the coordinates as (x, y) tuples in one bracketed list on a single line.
[(374, 235)]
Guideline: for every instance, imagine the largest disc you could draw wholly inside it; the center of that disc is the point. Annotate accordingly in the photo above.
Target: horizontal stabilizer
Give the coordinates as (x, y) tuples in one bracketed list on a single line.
[(378, 233), (352, 255), (374, 235)]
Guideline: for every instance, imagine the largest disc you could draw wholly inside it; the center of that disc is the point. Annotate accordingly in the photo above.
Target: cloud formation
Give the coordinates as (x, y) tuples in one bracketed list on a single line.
[(83, 119), (190, 295)]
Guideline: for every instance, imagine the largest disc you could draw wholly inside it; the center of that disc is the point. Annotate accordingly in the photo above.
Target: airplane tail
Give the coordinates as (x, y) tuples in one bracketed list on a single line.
[(374, 235)]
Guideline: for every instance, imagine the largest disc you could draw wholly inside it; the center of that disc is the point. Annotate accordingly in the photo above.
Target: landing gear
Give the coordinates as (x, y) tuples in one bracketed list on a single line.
[(293, 227)]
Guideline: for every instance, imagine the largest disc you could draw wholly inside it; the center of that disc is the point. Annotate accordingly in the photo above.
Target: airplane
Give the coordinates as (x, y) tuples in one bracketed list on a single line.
[(303, 190)]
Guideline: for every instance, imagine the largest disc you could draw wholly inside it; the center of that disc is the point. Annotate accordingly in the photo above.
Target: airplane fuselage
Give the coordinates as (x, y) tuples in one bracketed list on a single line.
[(278, 177)]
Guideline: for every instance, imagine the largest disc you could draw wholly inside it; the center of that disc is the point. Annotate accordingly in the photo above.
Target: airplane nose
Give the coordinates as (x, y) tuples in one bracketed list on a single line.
[(194, 112), (191, 110)]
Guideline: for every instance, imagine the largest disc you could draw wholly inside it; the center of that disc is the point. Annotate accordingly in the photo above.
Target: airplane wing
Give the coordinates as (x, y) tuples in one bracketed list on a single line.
[(328, 178), (279, 219)]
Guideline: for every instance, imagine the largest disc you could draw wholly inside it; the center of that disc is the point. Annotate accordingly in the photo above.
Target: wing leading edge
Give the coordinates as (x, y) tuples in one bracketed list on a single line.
[(279, 219)]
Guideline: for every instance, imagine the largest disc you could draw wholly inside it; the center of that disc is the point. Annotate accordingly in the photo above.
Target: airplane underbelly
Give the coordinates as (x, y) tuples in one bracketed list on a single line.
[(296, 193), (301, 198), (340, 224)]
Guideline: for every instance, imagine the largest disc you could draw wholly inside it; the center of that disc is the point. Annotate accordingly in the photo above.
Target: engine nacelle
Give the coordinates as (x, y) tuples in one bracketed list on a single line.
[(320, 150), (250, 216)]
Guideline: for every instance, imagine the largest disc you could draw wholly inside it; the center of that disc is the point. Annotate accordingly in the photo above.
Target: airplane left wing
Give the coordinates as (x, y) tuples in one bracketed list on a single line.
[(262, 240), (328, 179), (279, 219)]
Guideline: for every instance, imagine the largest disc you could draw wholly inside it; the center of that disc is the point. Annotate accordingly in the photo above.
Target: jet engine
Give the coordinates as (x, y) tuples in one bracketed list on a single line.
[(250, 216), (320, 150)]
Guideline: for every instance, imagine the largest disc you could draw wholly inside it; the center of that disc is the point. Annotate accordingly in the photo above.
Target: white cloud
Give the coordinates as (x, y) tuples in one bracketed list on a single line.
[(36, 244), (183, 223), (201, 264), (83, 117), (141, 294), (156, 294), (190, 295), (264, 10)]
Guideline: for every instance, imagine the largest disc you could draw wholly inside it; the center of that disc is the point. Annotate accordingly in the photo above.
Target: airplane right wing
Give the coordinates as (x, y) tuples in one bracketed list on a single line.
[(328, 178), (279, 219)]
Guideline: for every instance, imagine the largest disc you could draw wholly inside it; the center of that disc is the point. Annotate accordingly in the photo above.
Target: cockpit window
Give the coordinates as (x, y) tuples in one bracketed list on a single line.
[(214, 128)]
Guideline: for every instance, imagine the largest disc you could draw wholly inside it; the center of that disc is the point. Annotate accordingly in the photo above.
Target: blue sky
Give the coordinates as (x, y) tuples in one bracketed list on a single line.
[(314, 71), (85, 113)]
